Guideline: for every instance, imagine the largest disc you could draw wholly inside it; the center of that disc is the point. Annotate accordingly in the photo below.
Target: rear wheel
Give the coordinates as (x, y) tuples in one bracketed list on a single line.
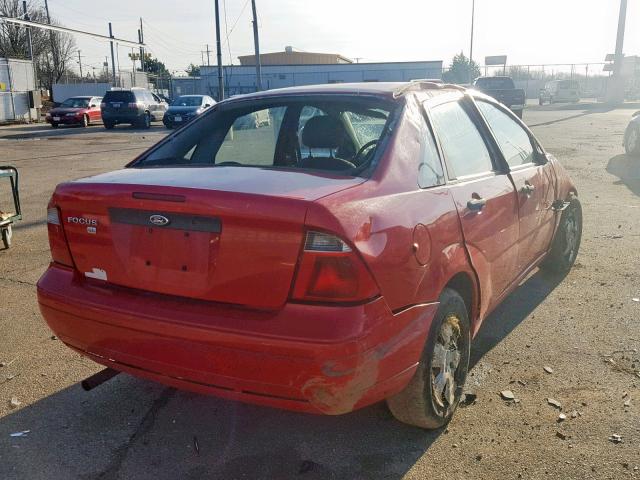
[(109, 125), (433, 394), (632, 140), (54, 125), (566, 243), (540, 102), (85, 121)]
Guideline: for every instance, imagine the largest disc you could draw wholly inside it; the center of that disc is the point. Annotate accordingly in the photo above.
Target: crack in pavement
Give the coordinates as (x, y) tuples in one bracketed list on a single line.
[(112, 472), (13, 280)]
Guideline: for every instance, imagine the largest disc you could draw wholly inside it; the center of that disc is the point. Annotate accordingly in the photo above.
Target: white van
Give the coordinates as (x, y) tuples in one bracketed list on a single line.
[(560, 91)]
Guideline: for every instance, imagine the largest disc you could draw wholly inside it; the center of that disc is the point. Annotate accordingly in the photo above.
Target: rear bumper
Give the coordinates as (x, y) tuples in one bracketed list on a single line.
[(66, 120), (122, 117), (308, 358)]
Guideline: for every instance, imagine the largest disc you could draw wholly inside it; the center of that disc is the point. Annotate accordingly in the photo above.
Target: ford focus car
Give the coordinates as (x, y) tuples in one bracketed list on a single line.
[(344, 254)]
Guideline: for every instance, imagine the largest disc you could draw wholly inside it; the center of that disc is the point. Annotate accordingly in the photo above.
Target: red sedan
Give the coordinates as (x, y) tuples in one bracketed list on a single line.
[(76, 111), (345, 252)]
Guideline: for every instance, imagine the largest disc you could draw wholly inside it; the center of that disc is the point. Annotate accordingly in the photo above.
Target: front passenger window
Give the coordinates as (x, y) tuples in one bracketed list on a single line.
[(513, 140)]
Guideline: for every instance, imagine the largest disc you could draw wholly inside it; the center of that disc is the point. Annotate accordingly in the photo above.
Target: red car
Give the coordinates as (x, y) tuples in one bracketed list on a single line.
[(76, 111), (345, 252)]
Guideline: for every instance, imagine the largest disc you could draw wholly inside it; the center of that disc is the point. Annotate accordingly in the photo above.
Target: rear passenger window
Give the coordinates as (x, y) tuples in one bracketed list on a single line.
[(430, 168), (513, 140), (462, 144)]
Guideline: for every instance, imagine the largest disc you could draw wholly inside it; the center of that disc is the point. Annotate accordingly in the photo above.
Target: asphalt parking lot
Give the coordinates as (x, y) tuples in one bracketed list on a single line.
[(586, 329)]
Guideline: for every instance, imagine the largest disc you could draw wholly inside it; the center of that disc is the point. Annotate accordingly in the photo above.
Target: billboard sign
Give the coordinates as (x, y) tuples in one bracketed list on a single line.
[(495, 60)]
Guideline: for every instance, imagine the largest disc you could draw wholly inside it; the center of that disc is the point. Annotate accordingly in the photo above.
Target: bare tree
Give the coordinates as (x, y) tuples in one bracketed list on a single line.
[(55, 61), (52, 51)]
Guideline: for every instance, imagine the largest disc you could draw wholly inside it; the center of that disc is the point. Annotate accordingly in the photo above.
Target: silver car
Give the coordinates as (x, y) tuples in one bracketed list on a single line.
[(632, 136)]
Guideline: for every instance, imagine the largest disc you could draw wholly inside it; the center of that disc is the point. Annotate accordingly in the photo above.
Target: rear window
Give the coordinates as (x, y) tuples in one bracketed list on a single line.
[(497, 83), (568, 84), (341, 135), (119, 96), (76, 102)]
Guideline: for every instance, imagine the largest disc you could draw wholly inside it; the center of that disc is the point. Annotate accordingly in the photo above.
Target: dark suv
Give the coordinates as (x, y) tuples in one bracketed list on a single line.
[(136, 106)]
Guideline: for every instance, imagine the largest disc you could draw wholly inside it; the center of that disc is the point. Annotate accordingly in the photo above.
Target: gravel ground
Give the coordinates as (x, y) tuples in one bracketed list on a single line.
[(585, 329)]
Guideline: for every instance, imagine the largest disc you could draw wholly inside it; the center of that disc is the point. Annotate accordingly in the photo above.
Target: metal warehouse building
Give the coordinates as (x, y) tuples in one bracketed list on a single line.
[(242, 79), (16, 81)]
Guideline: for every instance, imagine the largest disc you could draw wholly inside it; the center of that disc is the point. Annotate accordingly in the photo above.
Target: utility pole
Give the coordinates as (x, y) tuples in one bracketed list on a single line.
[(219, 48), (113, 58), (141, 40), (208, 58), (29, 43), (473, 21), (615, 92), (54, 51), (256, 41), (80, 63)]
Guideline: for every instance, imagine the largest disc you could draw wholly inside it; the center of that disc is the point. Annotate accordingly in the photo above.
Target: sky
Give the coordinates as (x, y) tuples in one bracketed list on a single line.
[(527, 31)]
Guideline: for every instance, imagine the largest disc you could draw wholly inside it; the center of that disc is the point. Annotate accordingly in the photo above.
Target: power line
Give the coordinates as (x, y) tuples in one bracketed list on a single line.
[(237, 20), (226, 28)]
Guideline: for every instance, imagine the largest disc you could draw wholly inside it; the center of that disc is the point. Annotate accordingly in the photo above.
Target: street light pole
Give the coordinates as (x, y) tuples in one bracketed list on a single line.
[(615, 92), (473, 20)]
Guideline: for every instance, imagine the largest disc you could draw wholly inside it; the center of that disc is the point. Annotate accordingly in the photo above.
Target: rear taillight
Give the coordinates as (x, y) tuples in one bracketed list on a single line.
[(330, 271), (103, 105), (134, 104), (57, 239)]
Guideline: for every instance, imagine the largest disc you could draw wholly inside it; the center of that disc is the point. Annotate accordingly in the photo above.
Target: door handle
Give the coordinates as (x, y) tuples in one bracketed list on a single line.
[(476, 204), (527, 189)]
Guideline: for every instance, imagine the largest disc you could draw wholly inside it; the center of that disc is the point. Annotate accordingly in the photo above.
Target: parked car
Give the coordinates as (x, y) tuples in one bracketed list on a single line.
[(504, 90), (254, 120), (135, 106), (185, 108), (558, 91), (248, 267), (75, 111), (632, 136)]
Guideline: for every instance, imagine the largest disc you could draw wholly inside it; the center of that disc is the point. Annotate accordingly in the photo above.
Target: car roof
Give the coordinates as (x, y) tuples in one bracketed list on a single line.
[(390, 90)]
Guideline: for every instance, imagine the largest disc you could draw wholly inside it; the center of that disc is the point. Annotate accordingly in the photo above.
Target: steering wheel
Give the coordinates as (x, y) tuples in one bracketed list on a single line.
[(363, 149)]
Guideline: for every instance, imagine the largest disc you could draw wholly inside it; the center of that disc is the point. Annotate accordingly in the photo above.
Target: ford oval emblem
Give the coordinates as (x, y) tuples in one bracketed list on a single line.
[(159, 220)]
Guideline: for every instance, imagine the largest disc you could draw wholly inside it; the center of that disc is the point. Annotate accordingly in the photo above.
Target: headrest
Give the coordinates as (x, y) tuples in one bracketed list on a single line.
[(323, 132)]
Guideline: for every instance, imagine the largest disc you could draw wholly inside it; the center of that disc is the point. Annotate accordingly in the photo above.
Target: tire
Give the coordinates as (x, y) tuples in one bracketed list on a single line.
[(540, 102), (54, 125), (85, 121), (419, 404), (7, 235), (145, 121), (632, 140), (566, 243), (109, 125)]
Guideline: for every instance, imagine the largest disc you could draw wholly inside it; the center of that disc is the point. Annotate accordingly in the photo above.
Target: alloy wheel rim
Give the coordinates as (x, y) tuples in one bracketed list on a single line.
[(571, 236), (632, 140), (444, 364)]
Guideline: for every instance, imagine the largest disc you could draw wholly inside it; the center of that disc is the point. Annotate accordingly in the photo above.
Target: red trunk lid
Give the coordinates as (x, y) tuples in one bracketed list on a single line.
[(229, 235)]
